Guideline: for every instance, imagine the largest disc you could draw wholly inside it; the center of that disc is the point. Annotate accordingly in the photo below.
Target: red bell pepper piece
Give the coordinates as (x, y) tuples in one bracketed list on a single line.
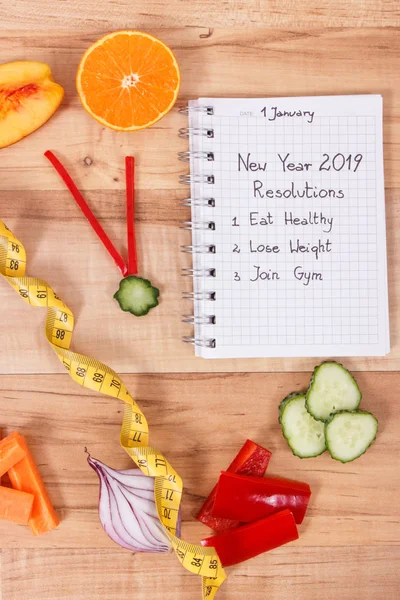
[(130, 214), (248, 499), (81, 202), (245, 542), (252, 459)]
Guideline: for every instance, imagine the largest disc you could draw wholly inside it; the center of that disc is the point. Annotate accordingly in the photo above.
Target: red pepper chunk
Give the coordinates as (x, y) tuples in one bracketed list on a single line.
[(252, 459), (248, 499), (245, 542)]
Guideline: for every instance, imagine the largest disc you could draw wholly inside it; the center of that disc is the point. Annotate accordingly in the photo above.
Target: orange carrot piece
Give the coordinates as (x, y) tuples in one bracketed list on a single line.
[(11, 452), (15, 506), (25, 477), (4, 479)]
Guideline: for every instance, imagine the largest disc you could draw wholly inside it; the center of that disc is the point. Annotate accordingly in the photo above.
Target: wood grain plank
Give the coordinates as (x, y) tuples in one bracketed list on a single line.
[(233, 13), (63, 250), (291, 571), (290, 64), (199, 422), (61, 247), (349, 545)]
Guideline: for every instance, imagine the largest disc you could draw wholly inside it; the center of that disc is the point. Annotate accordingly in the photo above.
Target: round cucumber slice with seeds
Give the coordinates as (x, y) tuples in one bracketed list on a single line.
[(332, 388), (136, 295), (349, 434), (305, 435), (286, 400)]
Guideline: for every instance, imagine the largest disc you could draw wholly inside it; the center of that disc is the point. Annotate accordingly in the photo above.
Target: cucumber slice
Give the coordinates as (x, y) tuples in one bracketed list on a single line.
[(305, 435), (136, 295), (332, 388), (349, 434), (285, 401)]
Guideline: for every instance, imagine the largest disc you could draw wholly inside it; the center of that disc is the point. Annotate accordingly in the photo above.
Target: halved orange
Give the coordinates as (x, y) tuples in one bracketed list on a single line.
[(128, 80)]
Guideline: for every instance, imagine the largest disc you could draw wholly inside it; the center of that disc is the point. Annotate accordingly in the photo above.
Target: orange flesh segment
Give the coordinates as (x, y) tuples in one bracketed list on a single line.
[(10, 453), (25, 477), (15, 506), (129, 80)]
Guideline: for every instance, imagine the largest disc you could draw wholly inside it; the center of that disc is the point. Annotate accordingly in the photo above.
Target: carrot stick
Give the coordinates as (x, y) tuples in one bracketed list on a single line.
[(15, 506), (4, 479), (130, 214), (81, 202), (10, 453), (25, 477)]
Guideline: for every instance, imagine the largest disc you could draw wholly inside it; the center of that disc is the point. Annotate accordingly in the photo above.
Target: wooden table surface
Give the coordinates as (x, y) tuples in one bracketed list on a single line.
[(199, 411)]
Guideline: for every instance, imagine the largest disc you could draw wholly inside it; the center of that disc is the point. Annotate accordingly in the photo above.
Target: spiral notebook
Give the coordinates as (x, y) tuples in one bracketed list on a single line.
[(288, 227)]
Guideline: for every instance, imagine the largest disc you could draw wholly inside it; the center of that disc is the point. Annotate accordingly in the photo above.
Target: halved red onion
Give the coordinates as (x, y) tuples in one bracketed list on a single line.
[(127, 509)]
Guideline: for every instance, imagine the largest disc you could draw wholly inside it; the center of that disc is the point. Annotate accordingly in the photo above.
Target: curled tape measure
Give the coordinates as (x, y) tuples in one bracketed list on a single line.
[(94, 375)]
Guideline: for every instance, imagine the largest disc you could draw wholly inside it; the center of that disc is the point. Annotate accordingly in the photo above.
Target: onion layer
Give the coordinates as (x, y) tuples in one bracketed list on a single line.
[(127, 509)]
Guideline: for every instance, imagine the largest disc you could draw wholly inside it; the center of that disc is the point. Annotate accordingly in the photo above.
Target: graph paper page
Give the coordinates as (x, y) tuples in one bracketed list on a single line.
[(299, 237)]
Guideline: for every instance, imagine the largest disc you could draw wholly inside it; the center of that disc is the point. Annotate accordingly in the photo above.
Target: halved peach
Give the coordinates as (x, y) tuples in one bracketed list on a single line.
[(28, 98)]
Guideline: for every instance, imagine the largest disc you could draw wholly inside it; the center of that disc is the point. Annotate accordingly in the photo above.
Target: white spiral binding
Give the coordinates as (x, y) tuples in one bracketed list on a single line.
[(186, 272), (185, 132), (198, 202), (205, 320), (187, 156), (185, 110), (190, 178), (199, 296), (189, 225), (200, 249), (205, 342)]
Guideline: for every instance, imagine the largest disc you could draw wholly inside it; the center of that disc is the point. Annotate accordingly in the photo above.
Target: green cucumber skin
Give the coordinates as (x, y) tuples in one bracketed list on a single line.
[(349, 412), (282, 406), (286, 400), (118, 296), (316, 369)]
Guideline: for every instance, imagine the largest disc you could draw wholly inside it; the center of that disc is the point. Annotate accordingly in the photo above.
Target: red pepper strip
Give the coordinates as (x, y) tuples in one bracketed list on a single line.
[(252, 459), (130, 214), (245, 542), (81, 202), (248, 499)]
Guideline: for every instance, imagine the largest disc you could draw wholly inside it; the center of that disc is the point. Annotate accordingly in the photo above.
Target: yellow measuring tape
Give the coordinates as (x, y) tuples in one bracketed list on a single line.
[(94, 375)]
